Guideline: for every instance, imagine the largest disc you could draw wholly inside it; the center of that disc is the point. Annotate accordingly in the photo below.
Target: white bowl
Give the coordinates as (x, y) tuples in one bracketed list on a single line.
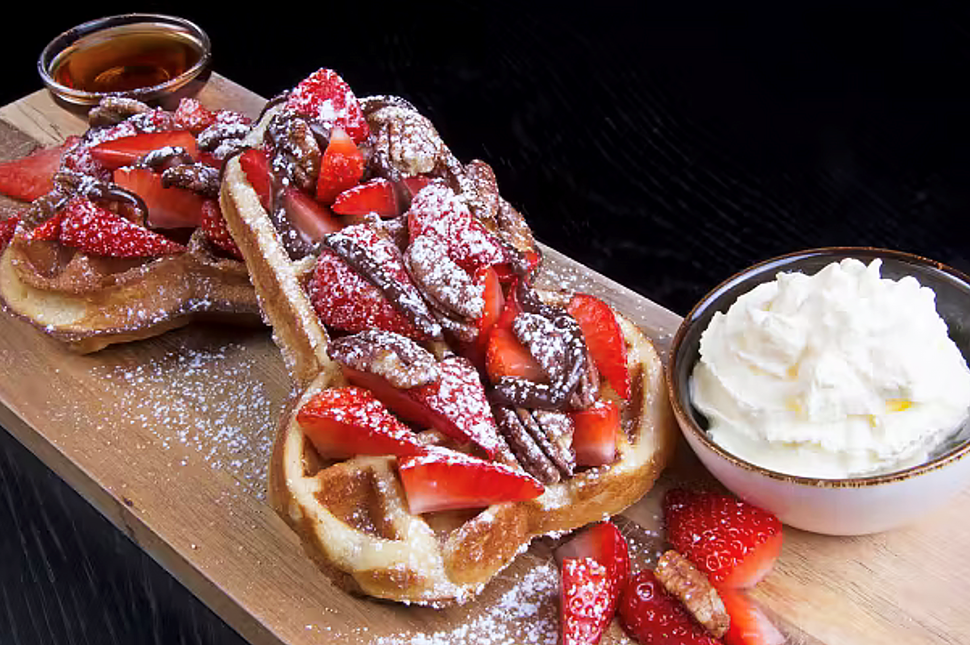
[(851, 506)]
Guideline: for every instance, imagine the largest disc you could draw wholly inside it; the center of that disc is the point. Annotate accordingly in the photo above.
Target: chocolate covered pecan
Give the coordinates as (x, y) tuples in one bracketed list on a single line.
[(399, 360)]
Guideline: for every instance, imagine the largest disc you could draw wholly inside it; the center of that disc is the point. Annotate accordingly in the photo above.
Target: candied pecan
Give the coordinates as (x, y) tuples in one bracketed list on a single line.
[(483, 196), (296, 153), (404, 142), (547, 346), (214, 135), (44, 207), (165, 157), (115, 109), (197, 177), (511, 228), (441, 280), (691, 586), (103, 192), (399, 360), (558, 429), (527, 452)]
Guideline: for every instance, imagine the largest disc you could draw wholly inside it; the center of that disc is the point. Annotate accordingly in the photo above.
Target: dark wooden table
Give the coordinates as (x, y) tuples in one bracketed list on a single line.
[(666, 148)]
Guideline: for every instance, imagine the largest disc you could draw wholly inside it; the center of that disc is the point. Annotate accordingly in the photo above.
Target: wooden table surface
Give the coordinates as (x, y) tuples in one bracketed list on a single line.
[(662, 149)]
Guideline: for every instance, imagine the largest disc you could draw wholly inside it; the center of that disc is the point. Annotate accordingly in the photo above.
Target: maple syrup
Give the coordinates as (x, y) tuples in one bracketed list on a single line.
[(139, 55)]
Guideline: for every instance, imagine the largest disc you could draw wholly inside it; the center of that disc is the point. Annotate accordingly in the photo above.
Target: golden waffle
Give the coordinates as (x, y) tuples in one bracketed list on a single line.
[(352, 515)]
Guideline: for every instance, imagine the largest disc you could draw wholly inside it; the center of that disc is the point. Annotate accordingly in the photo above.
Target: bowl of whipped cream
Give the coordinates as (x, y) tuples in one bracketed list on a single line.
[(831, 387)]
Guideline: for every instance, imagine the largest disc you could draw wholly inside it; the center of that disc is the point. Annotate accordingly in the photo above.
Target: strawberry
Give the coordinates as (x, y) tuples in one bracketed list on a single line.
[(455, 404), (255, 164), (171, 207), (604, 543), (309, 217), (92, 229), (375, 196), (324, 96), (344, 422), (604, 340), (506, 356), (650, 614), (341, 168), (415, 183), (8, 227), (749, 625), (32, 176), (733, 542), (443, 479), (346, 300), (50, 230), (215, 229), (594, 433), (587, 601), (437, 210), (128, 150), (494, 304), (193, 116)]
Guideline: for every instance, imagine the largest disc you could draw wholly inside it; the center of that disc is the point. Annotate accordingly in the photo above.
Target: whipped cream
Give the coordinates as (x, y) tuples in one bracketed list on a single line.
[(839, 374)]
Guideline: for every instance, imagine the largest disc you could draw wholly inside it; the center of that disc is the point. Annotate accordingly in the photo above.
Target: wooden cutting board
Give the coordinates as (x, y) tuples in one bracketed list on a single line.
[(170, 439)]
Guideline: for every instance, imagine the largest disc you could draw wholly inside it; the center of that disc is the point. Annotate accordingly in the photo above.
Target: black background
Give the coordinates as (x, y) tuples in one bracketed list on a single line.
[(664, 146)]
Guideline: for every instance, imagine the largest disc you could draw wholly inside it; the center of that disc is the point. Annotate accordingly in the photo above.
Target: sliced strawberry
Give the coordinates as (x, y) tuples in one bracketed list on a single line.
[(309, 217), (443, 479), (374, 196), (50, 230), (215, 229), (604, 340), (437, 210), (455, 404), (594, 433), (324, 96), (128, 150), (346, 300), (749, 625), (7, 228), (347, 421), (32, 176), (652, 615), (341, 168), (604, 543), (733, 542), (415, 183), (92, 229), (588, 600), (193, 116), (171, 207), (494, 304), (255, 164), (506, 356)]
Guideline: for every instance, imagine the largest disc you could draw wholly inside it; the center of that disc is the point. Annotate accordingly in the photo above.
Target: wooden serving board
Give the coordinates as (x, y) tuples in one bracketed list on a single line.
[(169, 438)]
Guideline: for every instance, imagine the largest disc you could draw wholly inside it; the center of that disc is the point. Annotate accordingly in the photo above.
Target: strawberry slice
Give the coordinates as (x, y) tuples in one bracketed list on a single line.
[(374, 196), (341, 168), (604, 543), (415, 183), (733, 542), (437, 210), (456, 404), (32, 176), (650, 614), (749, 625), (347, 421), (255, 164), (193, 116), (594, 433), (215, 229), (50, 230), (310, 218), (7, 228), (443, 479), (128, 150), (588, 600), (171, 207), (604, 340), (324, 96), (506, 356), (92, 229), (346, 300), (491, 313)]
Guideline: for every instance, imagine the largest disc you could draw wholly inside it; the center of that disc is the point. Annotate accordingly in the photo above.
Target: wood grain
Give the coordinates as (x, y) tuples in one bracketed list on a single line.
[(169, 439)]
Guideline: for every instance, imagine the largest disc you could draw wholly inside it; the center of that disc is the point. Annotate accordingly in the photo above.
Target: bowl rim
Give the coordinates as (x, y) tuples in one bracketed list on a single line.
[(685, 420), (85, 29)]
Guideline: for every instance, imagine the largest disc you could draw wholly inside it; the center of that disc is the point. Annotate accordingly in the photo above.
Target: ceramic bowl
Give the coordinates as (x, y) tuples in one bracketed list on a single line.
[(852, 506), (155, 58)]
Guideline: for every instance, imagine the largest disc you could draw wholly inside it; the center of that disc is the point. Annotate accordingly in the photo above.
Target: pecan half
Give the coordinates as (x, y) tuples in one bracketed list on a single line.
[(524, 446), (115, 109), (691, 586), (557, 427), (441, 280), (399, 360), (165, 157), (296, 153), (197, 177), (404, 142)]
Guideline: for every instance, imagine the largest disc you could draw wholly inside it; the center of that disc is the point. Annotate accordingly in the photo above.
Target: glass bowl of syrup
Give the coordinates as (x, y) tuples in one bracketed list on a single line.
[(154, 58)]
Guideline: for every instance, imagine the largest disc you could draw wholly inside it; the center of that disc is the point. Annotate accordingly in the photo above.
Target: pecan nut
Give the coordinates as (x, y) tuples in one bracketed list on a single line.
[(399, 360), (695, 591)]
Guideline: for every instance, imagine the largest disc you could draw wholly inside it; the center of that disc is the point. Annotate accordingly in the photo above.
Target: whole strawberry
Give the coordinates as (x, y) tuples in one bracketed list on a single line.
[(733, 542)]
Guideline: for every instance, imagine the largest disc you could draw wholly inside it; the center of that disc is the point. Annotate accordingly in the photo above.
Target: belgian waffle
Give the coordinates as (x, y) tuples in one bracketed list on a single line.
[(352, 514)]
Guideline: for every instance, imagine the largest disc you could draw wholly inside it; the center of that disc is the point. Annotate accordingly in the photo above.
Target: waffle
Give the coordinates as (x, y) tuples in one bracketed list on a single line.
[(352, 515), (88, 303)]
